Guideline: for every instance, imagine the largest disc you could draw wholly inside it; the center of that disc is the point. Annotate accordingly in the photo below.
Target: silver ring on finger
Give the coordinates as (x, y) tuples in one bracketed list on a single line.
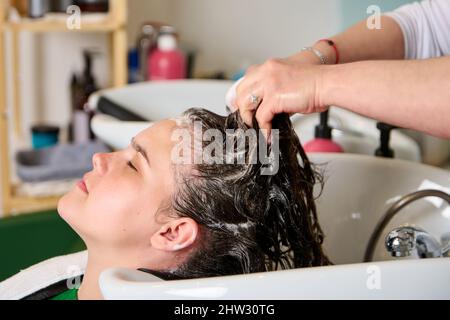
[(255, 100)]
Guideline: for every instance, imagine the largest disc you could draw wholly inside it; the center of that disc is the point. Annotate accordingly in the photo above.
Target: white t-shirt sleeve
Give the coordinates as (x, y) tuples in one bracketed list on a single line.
[(426, 28)]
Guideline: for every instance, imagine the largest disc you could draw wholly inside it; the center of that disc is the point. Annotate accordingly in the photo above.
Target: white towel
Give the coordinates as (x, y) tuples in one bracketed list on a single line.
[(43, 275)]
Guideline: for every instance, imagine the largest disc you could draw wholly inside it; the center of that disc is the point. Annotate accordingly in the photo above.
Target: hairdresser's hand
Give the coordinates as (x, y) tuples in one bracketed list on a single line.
[(290, 85)]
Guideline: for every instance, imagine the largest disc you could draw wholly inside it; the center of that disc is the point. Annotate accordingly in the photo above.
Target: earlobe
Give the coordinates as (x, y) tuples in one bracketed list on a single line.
[(175, 235)]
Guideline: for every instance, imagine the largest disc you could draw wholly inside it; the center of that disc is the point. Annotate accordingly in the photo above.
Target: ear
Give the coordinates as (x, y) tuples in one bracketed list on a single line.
[(175, 235)]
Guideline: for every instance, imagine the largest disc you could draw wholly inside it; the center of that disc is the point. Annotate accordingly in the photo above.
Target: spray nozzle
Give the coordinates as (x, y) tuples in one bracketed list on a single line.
[(323, 130)]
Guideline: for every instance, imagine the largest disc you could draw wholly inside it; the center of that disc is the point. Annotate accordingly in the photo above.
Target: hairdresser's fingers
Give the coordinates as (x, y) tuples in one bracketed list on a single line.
[(246, 86), (250, 95), (249, 109), (264, 116)]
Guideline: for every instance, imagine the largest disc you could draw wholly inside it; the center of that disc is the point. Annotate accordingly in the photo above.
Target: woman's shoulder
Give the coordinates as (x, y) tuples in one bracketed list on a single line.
[(49, 277)]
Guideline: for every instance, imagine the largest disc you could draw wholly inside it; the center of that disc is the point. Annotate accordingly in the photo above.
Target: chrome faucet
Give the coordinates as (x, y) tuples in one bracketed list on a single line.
[(405, 240)]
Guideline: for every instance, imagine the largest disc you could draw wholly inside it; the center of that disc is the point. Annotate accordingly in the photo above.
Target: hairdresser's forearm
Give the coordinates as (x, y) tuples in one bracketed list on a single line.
[(411, 94), (361, 43)]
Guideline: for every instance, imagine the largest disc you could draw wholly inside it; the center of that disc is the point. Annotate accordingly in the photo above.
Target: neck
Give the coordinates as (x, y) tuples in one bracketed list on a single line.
[(100, 260), (90, 288)]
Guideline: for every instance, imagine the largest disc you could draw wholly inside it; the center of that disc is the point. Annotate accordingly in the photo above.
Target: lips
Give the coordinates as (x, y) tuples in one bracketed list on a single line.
[(82, 185)]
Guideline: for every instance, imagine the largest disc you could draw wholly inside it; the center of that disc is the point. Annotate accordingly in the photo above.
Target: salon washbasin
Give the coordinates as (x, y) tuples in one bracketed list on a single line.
[(154, 101), (166, 99), (358, 190)]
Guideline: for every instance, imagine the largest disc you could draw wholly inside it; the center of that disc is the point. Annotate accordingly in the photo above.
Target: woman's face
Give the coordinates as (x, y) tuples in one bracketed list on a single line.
[(124, 191)]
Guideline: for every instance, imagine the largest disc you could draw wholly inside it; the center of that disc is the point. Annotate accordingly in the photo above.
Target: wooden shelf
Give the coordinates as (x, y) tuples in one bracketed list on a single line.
[(113, 23), (19, 205), (61, 27), (58, 25)]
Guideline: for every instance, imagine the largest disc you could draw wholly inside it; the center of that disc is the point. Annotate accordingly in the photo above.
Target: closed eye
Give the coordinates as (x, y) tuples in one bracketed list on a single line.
[(131, 166)]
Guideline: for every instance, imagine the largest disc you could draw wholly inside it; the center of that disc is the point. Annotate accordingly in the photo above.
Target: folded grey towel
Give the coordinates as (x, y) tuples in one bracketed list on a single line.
[(65, 161)]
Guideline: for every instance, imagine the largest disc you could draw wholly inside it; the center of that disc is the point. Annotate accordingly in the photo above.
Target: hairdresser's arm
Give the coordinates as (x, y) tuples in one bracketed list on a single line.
[(361, 43), (286, 89), (411, 94)]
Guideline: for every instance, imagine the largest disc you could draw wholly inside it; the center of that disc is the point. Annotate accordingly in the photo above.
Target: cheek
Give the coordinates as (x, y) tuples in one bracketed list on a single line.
[(109, 209), (118, 213)]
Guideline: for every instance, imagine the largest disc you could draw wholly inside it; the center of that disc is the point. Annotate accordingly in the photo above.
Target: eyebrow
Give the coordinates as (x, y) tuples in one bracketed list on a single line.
[(139, 149)]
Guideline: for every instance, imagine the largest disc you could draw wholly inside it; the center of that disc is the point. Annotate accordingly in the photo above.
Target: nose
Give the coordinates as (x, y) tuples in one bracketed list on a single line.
[(99, 161)]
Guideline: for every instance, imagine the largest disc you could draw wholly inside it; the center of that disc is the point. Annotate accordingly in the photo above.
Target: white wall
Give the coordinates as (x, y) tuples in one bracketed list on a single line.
[(231, 33), (234, 32), (140, 11)]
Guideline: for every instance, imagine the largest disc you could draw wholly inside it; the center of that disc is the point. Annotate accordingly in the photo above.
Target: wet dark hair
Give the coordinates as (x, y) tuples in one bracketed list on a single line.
[(249, 222)]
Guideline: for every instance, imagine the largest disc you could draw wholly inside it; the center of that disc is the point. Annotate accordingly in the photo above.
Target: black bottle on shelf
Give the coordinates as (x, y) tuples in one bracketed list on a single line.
[(81, 88), (60, 5), (93, 5)]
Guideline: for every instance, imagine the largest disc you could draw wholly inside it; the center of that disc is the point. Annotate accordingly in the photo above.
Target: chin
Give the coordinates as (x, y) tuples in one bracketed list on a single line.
[(69, 210), (68, 205)]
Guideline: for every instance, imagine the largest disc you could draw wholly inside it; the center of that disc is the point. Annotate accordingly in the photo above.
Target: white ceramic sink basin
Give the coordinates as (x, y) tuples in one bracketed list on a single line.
[(155, 101), (357, 192), (359, 189), (161, 100)]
